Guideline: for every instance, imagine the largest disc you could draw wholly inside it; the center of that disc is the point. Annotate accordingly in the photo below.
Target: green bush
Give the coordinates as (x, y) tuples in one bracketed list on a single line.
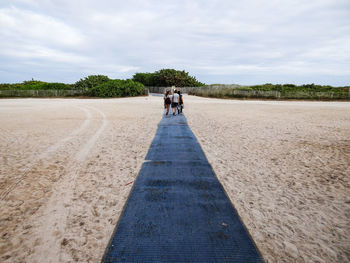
[(172, 77), (49, 86), (167, 78), (117, 88), (36, 85), (278, 91), (294, 88), (146, 79), (90, 82), (6, 86)]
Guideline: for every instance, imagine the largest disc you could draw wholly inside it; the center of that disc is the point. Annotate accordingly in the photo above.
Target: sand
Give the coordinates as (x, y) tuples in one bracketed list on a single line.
[(68, 165), (286, 168)]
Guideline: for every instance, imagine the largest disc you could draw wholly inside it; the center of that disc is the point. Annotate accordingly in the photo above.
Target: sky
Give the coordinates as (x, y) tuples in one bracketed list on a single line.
[(242, 42)]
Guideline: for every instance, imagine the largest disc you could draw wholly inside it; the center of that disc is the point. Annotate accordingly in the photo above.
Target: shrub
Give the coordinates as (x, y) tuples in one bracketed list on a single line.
[(117, 88), (279, 91), (36, 85), (294, 88), (48, 86), (90, 82), (172, 77), (146, 79), (167, 78), (6, 86)]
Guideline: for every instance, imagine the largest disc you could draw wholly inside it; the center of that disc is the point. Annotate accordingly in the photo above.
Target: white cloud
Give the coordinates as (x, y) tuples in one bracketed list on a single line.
[(19, 24), (269, 40), (37, 52)]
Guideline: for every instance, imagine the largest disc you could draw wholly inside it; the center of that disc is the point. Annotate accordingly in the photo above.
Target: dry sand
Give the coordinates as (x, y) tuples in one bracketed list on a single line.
[(286, 169), (67, 167)]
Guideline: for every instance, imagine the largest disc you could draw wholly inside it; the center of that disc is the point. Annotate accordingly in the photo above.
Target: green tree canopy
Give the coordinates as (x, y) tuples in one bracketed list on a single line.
[(90, 82), (167, 78), (144, 78), (117, 88)]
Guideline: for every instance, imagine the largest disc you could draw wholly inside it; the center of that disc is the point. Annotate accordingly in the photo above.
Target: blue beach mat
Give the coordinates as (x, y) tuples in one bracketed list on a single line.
[(178, 211)]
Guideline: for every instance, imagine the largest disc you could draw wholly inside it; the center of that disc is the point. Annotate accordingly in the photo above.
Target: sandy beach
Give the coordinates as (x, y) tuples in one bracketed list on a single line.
[(286, 168), (68, 165)]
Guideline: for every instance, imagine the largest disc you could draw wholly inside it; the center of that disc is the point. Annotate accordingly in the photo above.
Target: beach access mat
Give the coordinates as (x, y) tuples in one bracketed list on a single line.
[(177, 210)]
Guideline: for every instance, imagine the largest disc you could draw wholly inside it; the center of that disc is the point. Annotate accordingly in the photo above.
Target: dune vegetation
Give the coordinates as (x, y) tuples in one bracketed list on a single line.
[(103, 86)]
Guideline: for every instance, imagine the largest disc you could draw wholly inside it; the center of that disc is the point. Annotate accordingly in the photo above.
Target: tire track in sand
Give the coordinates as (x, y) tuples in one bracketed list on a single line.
[(52, 222), (82, 127), (49, 151)]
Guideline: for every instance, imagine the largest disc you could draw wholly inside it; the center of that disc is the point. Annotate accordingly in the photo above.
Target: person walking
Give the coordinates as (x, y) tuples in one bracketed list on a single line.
[(164, 95), (174, 101), (167, 101), (181, 102)]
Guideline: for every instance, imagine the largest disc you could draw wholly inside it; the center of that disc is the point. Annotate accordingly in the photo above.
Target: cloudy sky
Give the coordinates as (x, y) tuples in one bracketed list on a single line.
[(218, 41)]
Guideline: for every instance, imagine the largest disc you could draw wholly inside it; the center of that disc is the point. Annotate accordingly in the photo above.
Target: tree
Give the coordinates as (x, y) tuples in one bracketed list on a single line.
[(146, 79), (117, 88), (91, 81), (167, 78)]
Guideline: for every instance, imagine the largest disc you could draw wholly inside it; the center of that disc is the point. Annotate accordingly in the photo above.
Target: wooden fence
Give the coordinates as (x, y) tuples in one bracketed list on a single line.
[(215, 92), (40, 93), (233, 92), (45, 93)]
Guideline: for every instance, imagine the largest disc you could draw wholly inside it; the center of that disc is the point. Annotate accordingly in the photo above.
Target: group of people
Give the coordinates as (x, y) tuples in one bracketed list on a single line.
[(175, 99)]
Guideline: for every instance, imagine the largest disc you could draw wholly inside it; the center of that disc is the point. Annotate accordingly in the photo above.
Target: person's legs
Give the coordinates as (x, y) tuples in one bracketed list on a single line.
[(174, 108), (167, 109)]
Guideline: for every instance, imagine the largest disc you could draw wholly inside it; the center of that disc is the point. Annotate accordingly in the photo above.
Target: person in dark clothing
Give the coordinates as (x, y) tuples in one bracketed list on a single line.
[(167, 101), (181, 102)]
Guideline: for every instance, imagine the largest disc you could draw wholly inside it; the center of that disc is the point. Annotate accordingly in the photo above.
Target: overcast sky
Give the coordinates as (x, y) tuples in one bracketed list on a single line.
[(217, 41)]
